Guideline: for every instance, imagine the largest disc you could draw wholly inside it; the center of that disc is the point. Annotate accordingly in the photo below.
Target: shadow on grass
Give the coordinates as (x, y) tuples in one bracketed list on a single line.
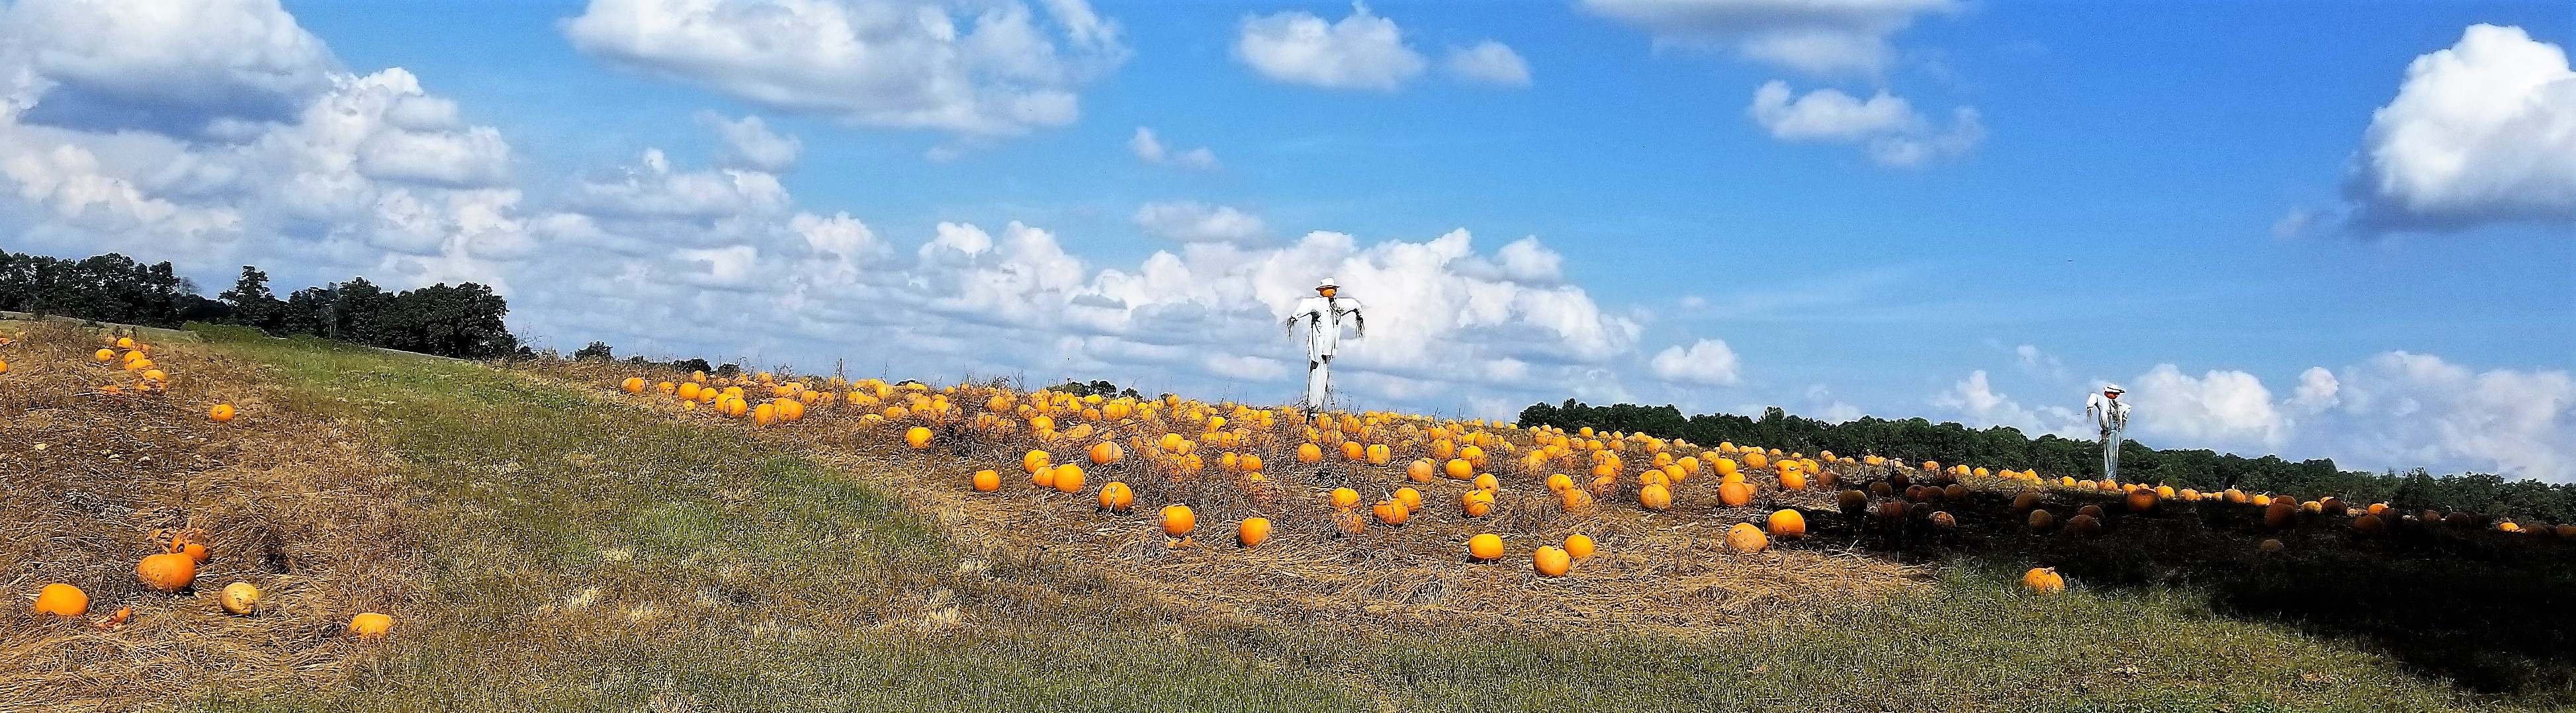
[(2491, 612)]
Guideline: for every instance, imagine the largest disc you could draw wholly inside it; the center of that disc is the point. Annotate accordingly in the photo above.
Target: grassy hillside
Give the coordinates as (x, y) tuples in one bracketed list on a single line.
[(571, 551)]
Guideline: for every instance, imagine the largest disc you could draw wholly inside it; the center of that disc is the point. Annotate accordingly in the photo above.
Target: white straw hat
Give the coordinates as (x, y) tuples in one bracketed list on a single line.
[(1328, 282)]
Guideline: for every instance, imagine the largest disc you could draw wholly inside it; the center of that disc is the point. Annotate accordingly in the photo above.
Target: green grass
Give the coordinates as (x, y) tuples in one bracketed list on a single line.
[(585, 557)]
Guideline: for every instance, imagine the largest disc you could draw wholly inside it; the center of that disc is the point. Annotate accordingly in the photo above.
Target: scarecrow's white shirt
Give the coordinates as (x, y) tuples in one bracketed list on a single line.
[(2108, 413), (1324, 317)]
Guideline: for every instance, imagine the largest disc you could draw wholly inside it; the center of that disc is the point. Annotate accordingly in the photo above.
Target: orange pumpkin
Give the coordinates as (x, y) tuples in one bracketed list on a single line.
[(2143, 500), (2044, 580), (168, 571), (1421, 470), (1943, 520), (1309, 453), (61, 599), (1852, 501), (1551, 561), (1411, 499), (1892, 511), (1655, 497), (2280, 514), (1390, 512), (1178, 520), (1735, 494), (1744, 538), (221, 413), (1068, 478), (918, 436), (1477, 503), (1788, 524), (1485, 547), (1459, 469), (2026, 501), (1579, 546), (1252, 531), (1106, 452), (370, 626), (987, 481), (1345, 497), (1558, 483), (1116, 496), (2042, 520), (1036, 461), (2084, 525)]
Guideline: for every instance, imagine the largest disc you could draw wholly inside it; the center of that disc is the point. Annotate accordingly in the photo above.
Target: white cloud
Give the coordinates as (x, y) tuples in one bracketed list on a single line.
[(2039, 363), (749, 144), (2482, 132), (1827, 37), (266, 139), (1978, 405), (2395, 410), (1822, 406), (1195, 222), (1362, 51), (374, 176), (174, 65), (2293, 223), (979, 68), (2402, 410), (2217, 409), (1707, 362), (2316, 392), (1489, 62), (1149, 148), (1894, 134)]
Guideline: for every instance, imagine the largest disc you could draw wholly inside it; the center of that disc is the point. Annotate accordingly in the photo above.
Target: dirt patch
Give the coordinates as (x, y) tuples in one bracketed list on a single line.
[(1660, 573), (292, 504)]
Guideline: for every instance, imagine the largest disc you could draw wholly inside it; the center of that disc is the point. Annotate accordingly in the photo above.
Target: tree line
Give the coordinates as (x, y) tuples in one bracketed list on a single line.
[(462, 321), (1917, 439)]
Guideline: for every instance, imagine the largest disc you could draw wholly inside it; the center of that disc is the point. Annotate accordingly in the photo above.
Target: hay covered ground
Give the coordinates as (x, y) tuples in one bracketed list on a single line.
[(561, 546), (290, 501)]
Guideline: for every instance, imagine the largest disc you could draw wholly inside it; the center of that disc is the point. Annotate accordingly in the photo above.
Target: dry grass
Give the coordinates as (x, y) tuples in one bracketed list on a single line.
[(292, 504), (1663, 573), (578, 555)]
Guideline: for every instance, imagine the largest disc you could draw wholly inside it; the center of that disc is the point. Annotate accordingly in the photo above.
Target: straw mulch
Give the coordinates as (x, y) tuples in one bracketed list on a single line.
[(291, 504), (1658, 573)]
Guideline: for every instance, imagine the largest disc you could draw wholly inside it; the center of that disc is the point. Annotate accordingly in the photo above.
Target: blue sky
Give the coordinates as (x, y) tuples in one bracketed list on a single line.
[(2171, 196)]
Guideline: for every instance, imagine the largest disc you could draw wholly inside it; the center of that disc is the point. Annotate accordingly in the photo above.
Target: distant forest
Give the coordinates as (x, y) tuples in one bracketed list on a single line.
[(463, 321), (1918, 440)]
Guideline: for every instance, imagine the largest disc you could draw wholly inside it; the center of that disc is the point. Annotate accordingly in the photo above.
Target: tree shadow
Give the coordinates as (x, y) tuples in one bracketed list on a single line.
[(2492, 612)]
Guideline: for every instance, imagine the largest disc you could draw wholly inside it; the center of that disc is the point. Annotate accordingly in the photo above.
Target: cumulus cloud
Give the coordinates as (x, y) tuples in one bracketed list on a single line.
[(977, 68), (1978, 405), (373, 175), (749, 144), (2218, 408), (1195, 222), (258, 134), (1842, 36), (2400, 409), (1707, 362), (1149, 148), (2395, 410), (2039, 363), (2481, 132), (1885, 124), (1489, 62), (189, 67), (1360, 52)]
